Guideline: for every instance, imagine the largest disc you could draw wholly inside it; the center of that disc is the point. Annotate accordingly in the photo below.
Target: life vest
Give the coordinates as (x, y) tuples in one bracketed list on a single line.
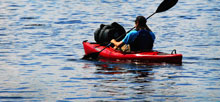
[(143, 42), (106, 33)]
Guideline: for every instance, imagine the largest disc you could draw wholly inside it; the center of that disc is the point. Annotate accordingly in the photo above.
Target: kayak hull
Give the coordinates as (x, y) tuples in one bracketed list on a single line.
[(151, 56)]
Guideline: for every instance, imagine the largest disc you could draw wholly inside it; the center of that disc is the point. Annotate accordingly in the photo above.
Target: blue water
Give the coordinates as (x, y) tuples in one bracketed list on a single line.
[(41, 50)]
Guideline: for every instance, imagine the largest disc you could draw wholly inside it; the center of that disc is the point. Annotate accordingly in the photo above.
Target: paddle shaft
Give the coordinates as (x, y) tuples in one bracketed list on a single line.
[(151, 15)]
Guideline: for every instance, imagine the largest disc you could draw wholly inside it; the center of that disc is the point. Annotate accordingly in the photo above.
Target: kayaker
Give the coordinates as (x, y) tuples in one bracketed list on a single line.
[(140, 39)]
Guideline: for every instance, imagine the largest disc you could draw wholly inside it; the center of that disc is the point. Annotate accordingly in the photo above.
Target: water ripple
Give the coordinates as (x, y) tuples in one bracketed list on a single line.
[(29, 18), (69, 22), (67, 68), (15, 97), (18, 91)]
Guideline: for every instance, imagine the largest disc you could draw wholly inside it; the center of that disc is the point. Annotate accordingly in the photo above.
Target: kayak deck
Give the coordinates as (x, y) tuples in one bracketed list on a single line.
[(151, 56)]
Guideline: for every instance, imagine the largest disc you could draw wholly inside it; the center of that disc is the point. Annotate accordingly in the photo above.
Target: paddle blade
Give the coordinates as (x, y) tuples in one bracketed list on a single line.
[(91, 56), (165, 5)]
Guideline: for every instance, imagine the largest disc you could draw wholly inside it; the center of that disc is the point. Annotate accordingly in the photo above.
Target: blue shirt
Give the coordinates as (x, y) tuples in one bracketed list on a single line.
[(131, 36)]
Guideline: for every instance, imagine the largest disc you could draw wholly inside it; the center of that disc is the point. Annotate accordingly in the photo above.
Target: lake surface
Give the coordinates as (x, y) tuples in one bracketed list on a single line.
[(41, 50)]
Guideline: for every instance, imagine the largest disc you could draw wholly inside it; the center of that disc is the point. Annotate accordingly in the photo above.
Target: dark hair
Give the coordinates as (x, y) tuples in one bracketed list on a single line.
[(141, 20)]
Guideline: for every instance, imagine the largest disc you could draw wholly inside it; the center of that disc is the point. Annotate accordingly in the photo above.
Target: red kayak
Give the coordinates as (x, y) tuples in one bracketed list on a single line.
[(151, 56)]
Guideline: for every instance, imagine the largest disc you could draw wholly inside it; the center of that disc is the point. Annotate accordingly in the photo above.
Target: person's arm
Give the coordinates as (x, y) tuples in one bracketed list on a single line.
[(128, 38), (117, 44)]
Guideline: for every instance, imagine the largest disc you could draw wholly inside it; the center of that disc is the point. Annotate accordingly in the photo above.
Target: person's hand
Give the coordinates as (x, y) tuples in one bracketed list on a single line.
[(113, 41)]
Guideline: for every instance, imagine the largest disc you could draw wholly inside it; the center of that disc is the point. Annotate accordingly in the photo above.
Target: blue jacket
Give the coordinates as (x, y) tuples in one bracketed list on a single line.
[(140, 40)]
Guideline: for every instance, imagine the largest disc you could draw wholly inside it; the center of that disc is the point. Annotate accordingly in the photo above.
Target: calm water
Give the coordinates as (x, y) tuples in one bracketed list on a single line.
[(41, 50)]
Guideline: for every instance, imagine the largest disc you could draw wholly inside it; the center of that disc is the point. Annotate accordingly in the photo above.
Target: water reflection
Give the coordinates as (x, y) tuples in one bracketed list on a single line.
[(137, 62), (123, 80), (122, 69), (129, 81)]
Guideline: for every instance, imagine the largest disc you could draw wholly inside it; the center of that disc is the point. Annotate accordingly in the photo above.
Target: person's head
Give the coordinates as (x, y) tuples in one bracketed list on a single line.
[(140, 23)]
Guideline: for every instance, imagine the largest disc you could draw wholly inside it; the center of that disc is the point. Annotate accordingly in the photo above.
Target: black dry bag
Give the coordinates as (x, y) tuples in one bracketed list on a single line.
[(106, 33)]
